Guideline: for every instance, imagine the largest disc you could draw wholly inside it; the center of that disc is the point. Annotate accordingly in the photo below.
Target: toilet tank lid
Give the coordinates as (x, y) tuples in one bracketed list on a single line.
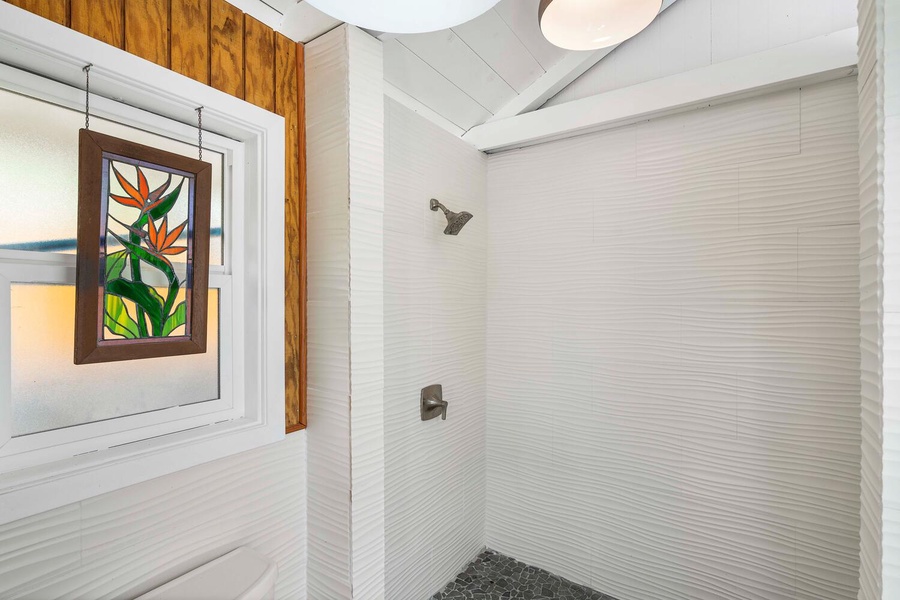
[(242, 574)]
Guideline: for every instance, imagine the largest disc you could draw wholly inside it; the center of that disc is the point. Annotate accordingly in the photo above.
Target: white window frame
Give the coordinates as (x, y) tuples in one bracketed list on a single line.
[(46, 470)]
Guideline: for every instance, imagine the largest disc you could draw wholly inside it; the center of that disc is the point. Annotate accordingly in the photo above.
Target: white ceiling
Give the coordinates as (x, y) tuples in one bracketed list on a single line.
[(486, 79), (495, 66), (469, 73)]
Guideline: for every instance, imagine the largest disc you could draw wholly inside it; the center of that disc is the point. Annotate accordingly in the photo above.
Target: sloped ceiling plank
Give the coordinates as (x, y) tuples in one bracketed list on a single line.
[(521, 16), (412, 75), (567, 70), (492, 39), (455, 60), (417, 107), (560, 75), (303, 23)]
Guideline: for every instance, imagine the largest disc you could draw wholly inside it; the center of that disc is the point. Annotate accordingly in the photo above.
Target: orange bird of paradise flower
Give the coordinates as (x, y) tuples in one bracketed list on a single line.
[(160, 239), (139, 197)]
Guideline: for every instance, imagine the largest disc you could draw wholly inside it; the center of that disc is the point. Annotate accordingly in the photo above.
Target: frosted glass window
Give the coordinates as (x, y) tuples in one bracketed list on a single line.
[(49, 391), (39, 174)]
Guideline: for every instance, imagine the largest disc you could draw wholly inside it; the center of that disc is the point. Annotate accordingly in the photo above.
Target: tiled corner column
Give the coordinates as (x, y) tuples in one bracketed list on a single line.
[(345, 157), (879, 114), (870, 295), (891, 511)]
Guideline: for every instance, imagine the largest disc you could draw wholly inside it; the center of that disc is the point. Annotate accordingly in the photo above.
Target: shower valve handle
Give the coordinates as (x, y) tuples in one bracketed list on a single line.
[(434, 404)]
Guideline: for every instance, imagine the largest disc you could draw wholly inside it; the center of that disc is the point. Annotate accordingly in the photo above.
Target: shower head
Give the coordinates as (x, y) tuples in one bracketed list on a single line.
[(455, 221)]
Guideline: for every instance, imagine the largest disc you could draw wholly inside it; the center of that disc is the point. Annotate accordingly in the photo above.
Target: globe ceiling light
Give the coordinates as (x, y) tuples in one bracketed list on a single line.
[(404, 16), (593, 24)]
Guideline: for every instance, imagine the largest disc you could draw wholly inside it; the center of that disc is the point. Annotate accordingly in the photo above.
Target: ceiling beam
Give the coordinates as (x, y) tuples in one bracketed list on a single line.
[(414, 105), (572, 66), (819, 59)]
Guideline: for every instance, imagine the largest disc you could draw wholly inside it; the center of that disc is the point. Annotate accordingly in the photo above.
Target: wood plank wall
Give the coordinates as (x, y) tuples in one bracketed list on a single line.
[(213, 42)]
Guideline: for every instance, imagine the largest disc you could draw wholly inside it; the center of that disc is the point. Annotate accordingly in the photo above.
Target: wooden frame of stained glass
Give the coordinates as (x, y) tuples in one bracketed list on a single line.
[(143, 251)]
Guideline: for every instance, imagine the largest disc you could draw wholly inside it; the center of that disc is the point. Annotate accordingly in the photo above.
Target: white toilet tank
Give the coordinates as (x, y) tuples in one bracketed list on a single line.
[(243, 574)]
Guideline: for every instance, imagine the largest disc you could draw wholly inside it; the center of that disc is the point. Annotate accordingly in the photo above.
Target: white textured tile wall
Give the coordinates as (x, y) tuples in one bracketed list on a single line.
[(125, 543), (328, 401), (345, 139), (696, 33), (673, 353), (366, 147), (434, 332), (871, 293), (891, 298), (879, 112)]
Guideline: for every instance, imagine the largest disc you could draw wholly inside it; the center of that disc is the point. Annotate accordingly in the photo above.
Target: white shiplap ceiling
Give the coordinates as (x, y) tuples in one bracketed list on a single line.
[(470, 73), (485, 80), (496, 66)]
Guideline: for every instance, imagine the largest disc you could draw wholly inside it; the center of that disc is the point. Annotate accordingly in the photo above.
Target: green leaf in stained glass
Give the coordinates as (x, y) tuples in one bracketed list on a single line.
[(176, 319), (168, 201), (141, 295), (153, 292), (117, 319), (163, 265), (115, 264)]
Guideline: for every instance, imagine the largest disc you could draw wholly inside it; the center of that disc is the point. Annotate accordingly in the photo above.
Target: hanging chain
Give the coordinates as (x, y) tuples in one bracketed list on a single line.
[(200, 133), (87, 96)]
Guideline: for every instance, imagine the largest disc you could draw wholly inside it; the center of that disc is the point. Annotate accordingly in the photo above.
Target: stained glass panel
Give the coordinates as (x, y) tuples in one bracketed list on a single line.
[(147, 249)]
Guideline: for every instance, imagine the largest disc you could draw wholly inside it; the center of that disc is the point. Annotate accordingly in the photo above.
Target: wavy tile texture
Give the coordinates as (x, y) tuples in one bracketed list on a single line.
[(346, 383), (125, 543), (879, 24), (891, 513), (366, 146), (328, 243), (434, 332), (871, 292), (673, 353)]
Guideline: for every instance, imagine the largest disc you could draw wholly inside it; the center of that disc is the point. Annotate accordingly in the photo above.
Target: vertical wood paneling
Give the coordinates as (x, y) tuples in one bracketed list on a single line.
[(147, 29), (286, 105), (226, 48), (101, 19), (190, 38), (259, 64), (55, 10), (206, 41)]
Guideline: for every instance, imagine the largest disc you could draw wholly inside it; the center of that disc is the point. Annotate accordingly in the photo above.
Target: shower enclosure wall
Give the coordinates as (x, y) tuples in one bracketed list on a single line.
[(648, 339), (673, 352), (434, 333), (672, 363)]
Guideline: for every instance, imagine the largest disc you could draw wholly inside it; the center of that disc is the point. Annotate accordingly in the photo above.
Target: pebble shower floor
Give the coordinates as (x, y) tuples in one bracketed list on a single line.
[(493, 576)]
